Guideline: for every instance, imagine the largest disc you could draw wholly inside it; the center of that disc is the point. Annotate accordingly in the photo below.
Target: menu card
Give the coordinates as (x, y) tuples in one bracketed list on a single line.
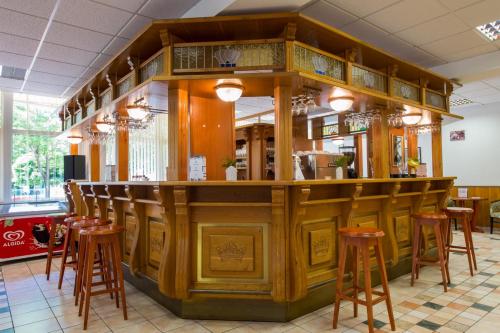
[(462, 192), (197, 168)]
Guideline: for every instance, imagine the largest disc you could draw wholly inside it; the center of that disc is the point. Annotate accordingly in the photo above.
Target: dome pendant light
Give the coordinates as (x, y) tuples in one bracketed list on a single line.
[(74, 140), (229, 92), (341, 103), (411, 118), (137, 112)]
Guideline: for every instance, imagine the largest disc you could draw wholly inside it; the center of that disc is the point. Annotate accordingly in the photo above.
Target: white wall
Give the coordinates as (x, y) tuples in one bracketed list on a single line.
[(475, 161)]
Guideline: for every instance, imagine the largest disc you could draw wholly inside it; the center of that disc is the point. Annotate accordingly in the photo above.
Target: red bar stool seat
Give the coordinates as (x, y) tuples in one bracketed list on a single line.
[(360, 240)]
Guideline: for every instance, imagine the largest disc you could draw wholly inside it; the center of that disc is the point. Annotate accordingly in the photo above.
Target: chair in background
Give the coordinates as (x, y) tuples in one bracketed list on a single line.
[(494, 214)]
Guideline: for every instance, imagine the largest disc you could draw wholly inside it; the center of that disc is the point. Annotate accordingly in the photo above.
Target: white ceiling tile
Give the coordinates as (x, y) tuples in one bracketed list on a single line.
[(134, 26), (406, 13), (433, 30), (42, 8), (48, 89), (257, 6), (495, 81), (66, 54), (10, 83), (473, 95), (78, 83), (91, 15), (489, 99), (457, 4), (480, 13), (365, 31), (475, 51), (329, 14), (362, 8), (159, 9), (64, 34), (22, 25), (115, 46), (54, 67), (42, 77), (15, 60), (471, 86), (101, 61), (89, 73), (430, 61), (19, 45), (459, 42), (130, 5)]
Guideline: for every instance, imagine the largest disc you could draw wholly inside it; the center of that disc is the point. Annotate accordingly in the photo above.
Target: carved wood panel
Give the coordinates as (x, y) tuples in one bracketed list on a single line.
[(232, 252), (403, 231), (156, 240)]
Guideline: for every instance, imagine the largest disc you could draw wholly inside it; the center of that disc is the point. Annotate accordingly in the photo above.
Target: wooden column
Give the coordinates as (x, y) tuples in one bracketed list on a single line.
[(378, 148), (73, 149), (283, 132), (122, 154), (95, 162), (437, 154), (178, 134), (358, 161)]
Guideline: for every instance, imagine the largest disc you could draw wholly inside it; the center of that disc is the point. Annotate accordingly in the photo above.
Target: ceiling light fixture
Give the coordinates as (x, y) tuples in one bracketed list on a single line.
[(229, 92), (103, 126), (490, 30), (74, 139), (460, 102), (137, 112), (411, 118), (341, 103)]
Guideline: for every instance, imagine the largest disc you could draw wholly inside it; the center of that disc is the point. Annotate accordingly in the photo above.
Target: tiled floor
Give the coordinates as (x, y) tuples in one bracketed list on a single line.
[(471, 304)]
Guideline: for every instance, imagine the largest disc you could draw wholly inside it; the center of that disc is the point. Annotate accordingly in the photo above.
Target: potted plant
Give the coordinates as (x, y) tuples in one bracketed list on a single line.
[(231, 171), (340, 163)]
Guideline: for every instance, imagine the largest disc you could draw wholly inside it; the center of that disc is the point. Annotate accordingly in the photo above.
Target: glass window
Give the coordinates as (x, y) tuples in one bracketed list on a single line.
[(37, 157)]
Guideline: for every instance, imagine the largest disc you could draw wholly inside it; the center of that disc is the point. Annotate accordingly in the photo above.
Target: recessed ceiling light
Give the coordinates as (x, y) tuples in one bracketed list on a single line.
[(490, 30), (461, 102)]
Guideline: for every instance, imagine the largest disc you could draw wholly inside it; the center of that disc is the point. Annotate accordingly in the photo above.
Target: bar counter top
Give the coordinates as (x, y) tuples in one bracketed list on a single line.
[(253, 250)]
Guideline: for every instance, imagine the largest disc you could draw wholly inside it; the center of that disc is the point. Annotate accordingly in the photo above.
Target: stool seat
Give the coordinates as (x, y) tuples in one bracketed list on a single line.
[(103, 230), (457, 212), (430, 216), (89, 224), (72, 219), (361, 232)]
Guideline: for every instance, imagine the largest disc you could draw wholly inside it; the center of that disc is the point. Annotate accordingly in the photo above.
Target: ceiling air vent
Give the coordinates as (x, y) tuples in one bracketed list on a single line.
[(460, 102), (12, 73)]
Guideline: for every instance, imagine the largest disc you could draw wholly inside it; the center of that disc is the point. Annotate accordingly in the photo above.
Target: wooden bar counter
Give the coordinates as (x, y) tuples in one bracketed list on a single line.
[(253, 250)]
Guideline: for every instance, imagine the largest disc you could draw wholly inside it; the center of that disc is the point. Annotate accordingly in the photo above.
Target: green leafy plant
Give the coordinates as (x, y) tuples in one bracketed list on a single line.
[(341, 161), (228, 162)]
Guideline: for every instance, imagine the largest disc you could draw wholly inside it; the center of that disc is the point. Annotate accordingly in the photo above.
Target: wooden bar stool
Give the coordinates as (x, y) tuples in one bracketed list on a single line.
[(438, 222), (360, 239), (108, 238), (76, 223), (464, 216), (56, 220)]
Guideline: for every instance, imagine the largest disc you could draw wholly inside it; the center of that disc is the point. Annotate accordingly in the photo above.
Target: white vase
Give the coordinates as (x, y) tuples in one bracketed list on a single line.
[(231, 173), (339, 173)]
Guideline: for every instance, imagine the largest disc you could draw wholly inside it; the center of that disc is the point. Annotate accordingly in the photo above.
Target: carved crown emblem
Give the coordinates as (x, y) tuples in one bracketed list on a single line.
[(231, 251), (321, 246)]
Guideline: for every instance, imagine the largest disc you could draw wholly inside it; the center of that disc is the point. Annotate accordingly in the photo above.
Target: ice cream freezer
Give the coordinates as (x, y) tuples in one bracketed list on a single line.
[(24, 229)]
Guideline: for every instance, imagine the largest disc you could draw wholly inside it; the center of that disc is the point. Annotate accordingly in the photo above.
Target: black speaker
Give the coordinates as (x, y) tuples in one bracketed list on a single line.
[(74, 167)]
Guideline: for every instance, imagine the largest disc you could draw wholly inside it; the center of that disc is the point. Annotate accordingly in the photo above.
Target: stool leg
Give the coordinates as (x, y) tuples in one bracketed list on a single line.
[(88, 280), (444, 230), (442, 260), (50, 248), (355, 278), (383, 277), (472, 246), (117, 261), (67, 241), (416, 251), (340, 280), (81, 267), (368, 285), (103, 269)]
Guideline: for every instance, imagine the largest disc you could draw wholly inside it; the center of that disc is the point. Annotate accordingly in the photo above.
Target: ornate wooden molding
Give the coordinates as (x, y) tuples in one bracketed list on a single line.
[(137, 209), (388, 223), (183, 244), (166, 270), (298, 270), (351, 205), (278, 244)]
